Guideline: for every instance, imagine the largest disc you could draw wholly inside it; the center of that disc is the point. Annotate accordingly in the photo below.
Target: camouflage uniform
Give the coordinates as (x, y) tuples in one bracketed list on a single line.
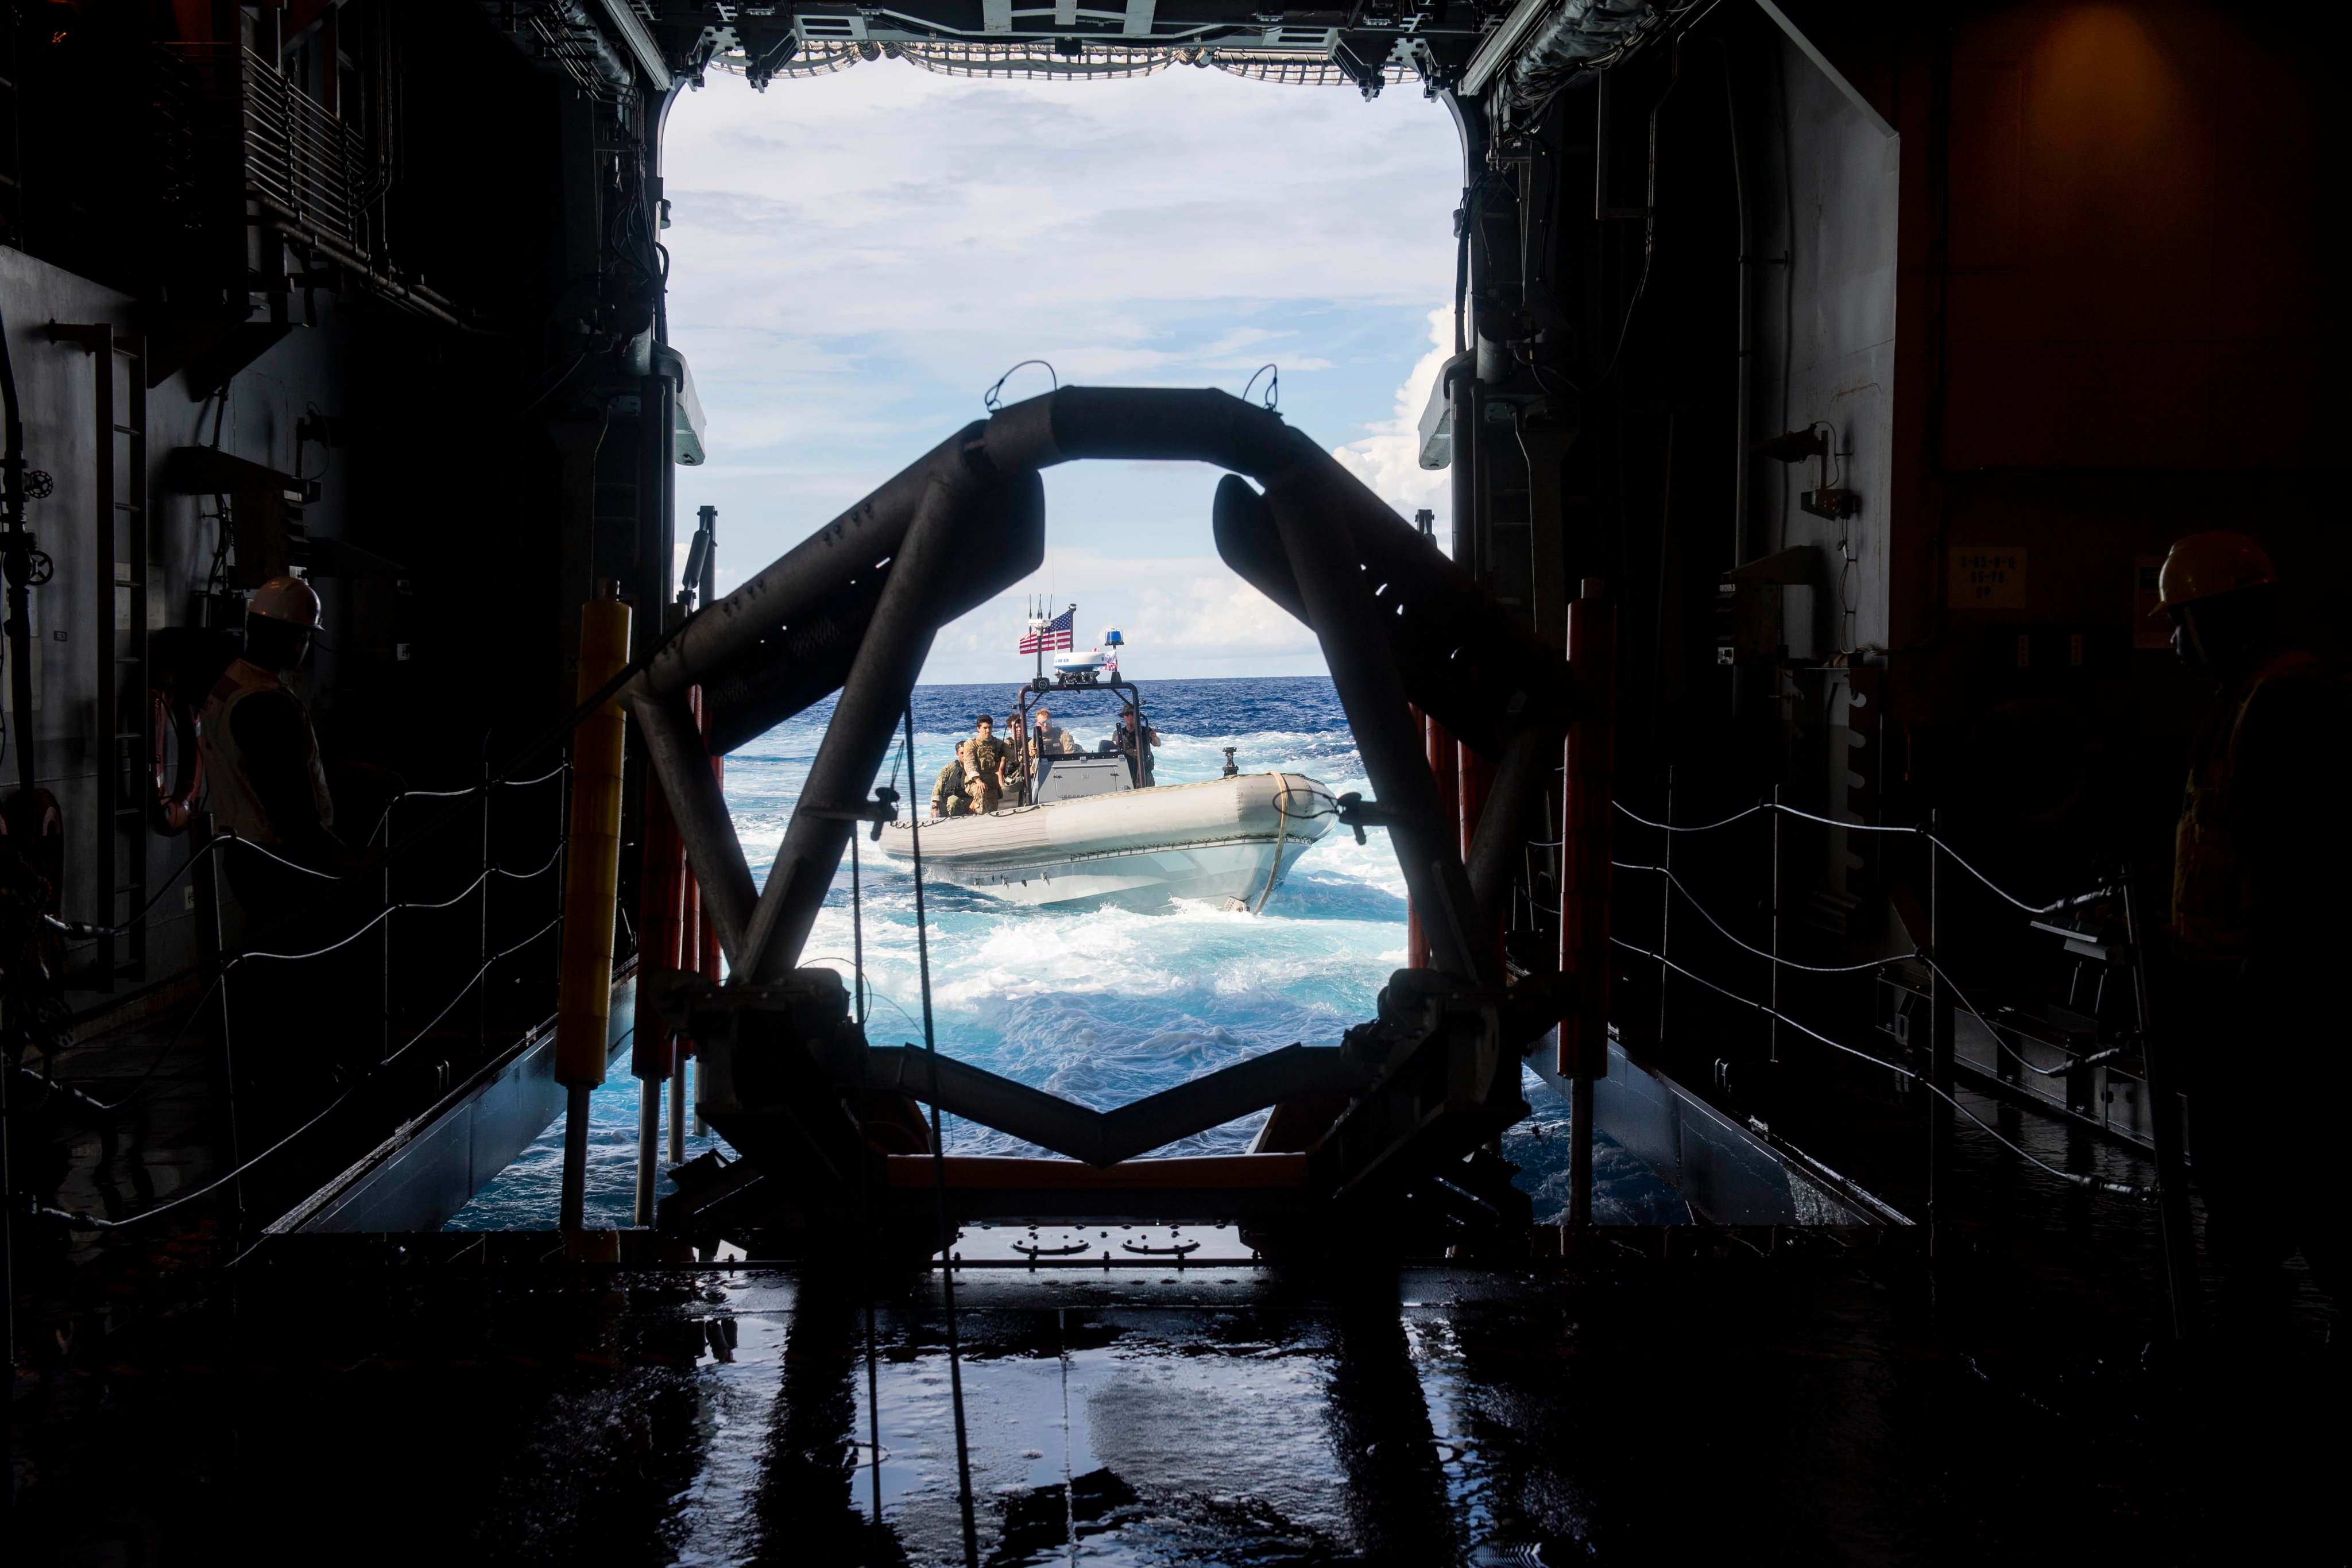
[(986, 756), (947, 794), (1135, 748)]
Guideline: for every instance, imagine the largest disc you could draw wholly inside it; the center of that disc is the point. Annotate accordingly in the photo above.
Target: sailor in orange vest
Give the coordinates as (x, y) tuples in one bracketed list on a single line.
[(2261, 854), (264, 782)]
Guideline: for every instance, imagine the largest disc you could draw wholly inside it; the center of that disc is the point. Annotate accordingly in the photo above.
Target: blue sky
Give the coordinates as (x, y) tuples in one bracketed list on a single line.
[(856, 258)]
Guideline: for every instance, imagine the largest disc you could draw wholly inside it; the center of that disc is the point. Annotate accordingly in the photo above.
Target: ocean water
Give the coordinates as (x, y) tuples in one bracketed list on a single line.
[(1104, 1006)]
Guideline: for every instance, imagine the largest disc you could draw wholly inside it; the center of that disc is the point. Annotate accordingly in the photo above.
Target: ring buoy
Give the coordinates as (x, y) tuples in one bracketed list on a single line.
[(176, 762)]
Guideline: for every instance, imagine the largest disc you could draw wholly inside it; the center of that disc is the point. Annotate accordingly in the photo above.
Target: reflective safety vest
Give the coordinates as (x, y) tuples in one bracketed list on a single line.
[(235, 805), (2212, 891)]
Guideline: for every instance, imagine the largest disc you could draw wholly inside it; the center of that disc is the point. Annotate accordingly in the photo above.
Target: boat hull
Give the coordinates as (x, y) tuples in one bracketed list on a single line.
[(1228, 842)]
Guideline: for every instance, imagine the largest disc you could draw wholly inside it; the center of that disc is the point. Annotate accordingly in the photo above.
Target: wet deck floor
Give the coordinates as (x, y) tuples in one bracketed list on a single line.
[(1812, 1407), (343, 1399)]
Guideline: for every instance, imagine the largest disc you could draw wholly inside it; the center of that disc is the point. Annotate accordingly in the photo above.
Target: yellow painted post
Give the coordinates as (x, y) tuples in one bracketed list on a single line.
[(592, 874)]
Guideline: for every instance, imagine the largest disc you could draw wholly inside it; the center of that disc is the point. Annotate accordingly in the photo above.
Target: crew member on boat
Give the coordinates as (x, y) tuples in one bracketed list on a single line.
[(1048, 738), (985, 756), (948, 796), (1135, 747)]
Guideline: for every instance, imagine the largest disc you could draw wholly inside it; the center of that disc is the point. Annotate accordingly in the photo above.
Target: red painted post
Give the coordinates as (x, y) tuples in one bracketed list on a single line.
[(689, 950), (1475, 783), (1476, 777), (1586, 829), (1438, 747), (1445, 768), (1445, 763), (1417, 945), (711, 966), (661, 926), (661, 922)]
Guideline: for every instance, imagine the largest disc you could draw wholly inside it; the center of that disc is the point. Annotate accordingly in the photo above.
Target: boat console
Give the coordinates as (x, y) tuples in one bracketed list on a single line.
[(1074, 778)]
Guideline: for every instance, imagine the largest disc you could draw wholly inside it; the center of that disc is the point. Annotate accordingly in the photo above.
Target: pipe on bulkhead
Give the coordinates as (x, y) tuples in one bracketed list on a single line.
[(590, 880)]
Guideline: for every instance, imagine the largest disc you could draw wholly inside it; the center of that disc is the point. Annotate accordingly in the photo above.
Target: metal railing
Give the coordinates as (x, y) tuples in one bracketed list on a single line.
[(228, 119), (400, 1034), (300, 157), (1932, 1062)]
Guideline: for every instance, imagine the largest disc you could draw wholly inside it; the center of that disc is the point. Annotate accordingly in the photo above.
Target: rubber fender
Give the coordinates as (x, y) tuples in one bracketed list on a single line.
[(802, 661), (1139, 424)]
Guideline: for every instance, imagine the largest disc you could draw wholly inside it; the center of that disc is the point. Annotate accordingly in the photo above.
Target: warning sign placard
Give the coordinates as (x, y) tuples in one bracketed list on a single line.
[(1988, 577)]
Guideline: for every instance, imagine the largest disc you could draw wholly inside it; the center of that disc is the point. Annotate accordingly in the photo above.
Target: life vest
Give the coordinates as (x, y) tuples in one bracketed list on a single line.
[(2212, 891), (236, 805)]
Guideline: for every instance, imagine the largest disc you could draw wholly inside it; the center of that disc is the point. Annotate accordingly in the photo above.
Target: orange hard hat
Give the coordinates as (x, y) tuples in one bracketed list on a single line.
[(287, 599), (2204, 565)]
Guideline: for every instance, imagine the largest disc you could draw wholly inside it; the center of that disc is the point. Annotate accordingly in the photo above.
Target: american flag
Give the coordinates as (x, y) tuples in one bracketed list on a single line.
[(1056, 636)]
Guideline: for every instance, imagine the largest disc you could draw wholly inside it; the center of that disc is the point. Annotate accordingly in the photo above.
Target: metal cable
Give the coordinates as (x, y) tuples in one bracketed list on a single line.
[(221, 972), (378, 918), (140, 1082), (1747, 947), (940, 1176), (1954, 856), (2094, 1183), (554, 857), (557, 771), (264, 851), (873, 992), (865, 1210), (217, 839), (1688, 828), (1930, 835), (92, 1222), (170, 883), (2073, 1064)]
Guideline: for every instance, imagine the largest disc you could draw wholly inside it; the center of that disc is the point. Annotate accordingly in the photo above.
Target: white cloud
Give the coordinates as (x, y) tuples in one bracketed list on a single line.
[(1388, 459)]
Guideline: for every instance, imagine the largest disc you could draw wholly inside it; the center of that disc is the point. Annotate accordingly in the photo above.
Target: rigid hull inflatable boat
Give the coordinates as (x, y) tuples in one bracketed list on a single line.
[(1105, 841)]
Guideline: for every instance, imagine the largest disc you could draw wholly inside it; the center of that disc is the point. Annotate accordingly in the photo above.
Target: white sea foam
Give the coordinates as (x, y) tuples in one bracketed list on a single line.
[(1102, 1006)]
